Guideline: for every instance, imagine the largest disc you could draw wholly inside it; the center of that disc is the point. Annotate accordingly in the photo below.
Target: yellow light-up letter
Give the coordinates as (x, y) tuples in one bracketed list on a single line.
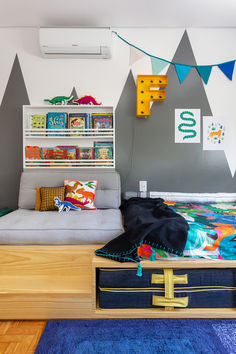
[(145, 94)]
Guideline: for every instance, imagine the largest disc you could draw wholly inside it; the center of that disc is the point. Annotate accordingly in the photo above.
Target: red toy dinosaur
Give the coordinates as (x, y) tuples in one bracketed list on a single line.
[(87, 100)]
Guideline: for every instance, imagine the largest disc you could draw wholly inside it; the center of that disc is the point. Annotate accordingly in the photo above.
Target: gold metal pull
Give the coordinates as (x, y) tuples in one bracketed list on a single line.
[(169, 279)]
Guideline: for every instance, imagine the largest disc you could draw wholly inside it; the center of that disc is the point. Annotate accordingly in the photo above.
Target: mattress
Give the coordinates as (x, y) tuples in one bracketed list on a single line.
[(212, 231)]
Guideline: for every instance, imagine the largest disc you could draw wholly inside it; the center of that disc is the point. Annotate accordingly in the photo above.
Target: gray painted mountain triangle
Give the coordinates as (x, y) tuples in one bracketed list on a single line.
[(146, 149), (11, 146), (75, 96)]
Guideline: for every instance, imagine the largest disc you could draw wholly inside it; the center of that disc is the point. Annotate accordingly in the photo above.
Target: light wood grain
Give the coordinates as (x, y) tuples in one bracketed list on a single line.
[(45, 260), (46, 306), (59, 282), (46, 282), (20, 336), (161, 313), (101, 262), (80, 284)]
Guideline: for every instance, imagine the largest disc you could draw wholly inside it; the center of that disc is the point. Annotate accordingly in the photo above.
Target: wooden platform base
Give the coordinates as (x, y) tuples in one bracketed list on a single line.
[(45, 282), (59, 282)]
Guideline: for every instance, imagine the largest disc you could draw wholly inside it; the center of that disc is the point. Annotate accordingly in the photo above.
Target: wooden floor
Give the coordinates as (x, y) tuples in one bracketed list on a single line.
[(20, 337)]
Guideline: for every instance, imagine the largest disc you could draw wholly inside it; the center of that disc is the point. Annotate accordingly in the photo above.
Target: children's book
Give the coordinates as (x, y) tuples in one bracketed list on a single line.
[(102, 144), (86, 153), (44, 152), (103, 153), (102, 121), (32, 153), (37, 121), (71, 151), (89, 121), (56, 121), (60, 154), (78, 121)]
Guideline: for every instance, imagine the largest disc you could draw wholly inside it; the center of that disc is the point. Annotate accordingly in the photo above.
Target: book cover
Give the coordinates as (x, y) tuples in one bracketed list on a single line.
[(60, 154), (44, 152), (56, 120), (78, 121), (71, 151), (102, 144), (86, 153), (37, 121), (102, 121), (89, 123), (103, 153), (32, 153)]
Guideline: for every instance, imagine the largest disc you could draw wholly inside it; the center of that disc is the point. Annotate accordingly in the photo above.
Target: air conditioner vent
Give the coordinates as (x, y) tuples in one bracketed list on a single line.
[(75, 42)]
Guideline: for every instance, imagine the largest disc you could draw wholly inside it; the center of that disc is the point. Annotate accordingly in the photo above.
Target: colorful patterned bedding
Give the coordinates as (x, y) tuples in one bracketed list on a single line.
[(212, 231)]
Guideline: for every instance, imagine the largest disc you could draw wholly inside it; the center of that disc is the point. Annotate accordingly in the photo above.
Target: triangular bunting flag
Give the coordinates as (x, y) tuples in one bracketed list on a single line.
[(158, 65), (227, 68), (205, 72), (135, 55), (182, 71)]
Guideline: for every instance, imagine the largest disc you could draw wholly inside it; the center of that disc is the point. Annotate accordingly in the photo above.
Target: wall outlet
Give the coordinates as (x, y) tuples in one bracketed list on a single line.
[(142, 186)]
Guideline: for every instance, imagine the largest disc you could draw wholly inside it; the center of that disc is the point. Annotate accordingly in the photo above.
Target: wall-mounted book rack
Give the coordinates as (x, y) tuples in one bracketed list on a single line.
[(75, 137)]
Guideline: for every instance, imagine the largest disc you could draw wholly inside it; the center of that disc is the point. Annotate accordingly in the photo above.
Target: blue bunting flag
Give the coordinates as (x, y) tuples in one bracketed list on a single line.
[(227, 68), (182, 71), (204, 71), (158, 65)]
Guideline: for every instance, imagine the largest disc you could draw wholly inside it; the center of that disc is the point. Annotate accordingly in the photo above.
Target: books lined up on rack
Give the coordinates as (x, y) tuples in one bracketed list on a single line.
[(102, 150), (77, 121), (58, 153)]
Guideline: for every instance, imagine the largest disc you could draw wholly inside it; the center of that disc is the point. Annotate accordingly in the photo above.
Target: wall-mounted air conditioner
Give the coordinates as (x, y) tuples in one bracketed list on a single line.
[(80, 42)]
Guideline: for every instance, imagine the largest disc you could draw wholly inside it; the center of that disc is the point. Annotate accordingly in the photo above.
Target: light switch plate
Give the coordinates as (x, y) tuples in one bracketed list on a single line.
[(142, 186)]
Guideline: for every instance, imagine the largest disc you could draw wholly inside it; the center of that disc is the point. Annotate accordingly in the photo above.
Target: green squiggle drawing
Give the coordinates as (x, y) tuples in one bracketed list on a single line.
[(189, 124)]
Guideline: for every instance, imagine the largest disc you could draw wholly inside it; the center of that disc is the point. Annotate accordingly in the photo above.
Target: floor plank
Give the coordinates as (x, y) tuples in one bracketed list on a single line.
[(20, 337)]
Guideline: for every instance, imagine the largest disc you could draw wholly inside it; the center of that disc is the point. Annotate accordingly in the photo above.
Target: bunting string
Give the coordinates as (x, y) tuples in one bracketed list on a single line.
[(182, 70)]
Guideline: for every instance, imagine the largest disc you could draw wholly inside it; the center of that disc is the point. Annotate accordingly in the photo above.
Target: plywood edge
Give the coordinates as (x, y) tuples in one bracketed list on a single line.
[(101, 262), (162, 313)]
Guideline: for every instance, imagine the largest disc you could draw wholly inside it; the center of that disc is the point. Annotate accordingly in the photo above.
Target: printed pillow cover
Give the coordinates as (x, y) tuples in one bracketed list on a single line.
[(81, 193)]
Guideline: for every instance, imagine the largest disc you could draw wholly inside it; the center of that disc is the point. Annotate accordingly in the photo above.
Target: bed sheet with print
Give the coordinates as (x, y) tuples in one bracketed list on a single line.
[(212, 231)]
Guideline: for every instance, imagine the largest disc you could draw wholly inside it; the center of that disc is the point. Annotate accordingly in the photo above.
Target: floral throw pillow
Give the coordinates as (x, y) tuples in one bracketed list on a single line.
[(81, 193)]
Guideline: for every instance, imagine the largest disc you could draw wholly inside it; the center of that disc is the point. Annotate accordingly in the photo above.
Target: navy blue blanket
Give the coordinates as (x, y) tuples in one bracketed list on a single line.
[(147, 221)]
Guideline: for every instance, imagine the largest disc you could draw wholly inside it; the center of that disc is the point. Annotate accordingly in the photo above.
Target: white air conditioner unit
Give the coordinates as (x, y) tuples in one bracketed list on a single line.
[(80, 42)]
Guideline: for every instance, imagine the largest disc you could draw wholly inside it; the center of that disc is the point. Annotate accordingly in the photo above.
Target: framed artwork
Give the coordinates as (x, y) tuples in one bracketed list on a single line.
[(214, 133), (187, 125)]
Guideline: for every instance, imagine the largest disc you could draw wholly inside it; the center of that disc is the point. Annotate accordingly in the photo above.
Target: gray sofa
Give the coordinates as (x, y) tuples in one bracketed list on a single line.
[(27, 226)]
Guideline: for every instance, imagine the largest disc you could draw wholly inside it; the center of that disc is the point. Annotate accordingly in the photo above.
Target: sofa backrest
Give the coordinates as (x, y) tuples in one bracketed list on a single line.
[(108, 192)]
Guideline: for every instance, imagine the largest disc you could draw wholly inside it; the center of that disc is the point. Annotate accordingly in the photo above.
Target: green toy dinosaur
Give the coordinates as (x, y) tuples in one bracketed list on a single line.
[(60, 99)]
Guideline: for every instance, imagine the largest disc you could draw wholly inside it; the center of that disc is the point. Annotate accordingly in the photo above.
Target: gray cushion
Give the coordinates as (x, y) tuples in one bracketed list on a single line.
[(107, 194), (23, 227)]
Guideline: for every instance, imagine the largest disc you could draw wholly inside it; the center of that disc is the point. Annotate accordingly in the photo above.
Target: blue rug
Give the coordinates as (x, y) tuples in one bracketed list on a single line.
[(144, 336)]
